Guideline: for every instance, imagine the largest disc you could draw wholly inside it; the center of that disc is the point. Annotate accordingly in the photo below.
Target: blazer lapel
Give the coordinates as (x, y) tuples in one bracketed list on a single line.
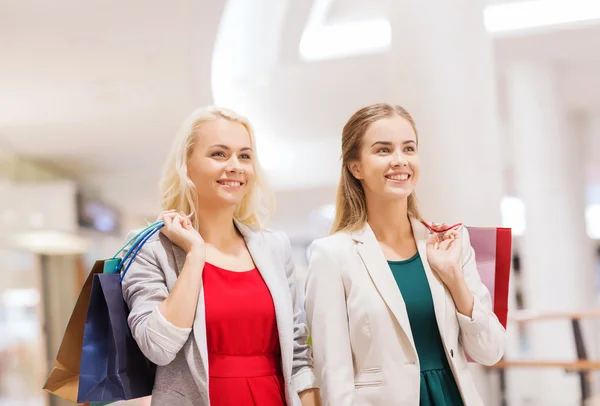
[(381, 275), (262, 255), (437, 288)]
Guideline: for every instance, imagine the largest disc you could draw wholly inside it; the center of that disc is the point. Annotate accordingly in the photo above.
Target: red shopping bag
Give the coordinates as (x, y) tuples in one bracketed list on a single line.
[(493, 255)]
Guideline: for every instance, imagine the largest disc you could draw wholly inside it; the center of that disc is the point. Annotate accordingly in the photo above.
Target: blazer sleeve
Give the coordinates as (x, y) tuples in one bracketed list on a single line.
[(144, 288), (482, 335), (328, 322), (303, 376)]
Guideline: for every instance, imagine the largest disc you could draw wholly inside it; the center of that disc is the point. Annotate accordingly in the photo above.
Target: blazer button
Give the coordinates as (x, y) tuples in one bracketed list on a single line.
[(452, 353)]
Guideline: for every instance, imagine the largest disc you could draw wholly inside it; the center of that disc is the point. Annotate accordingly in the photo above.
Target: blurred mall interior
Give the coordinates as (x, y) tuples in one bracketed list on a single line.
[(506, 96)]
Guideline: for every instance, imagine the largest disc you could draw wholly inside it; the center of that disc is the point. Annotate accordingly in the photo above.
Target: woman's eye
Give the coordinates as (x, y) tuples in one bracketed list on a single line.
[(218, 153), (383, 150), (245, 156)]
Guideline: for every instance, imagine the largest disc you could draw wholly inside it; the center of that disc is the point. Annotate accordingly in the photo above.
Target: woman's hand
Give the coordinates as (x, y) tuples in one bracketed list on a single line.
[(444, 252), (179, 230), (310, 397)]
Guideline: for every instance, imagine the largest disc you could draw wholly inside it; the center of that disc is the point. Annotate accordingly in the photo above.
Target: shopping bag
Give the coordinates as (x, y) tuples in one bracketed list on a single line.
[(493, 255), (98, 359), (63, 380), (112, 365)]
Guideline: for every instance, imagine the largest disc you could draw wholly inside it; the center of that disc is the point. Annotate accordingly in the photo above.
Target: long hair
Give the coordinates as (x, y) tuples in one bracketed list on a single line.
[(351, 203), (178, 192)]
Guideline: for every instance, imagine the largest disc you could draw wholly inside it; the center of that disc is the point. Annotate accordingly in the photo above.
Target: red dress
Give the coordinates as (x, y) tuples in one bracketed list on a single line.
[(244, 358)]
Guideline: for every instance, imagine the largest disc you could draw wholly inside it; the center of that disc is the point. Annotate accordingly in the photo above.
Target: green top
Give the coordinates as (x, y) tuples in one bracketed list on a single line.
[(438, 386)]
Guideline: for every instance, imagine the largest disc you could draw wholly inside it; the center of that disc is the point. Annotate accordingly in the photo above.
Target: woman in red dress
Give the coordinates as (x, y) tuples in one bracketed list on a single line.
[(212, 298)]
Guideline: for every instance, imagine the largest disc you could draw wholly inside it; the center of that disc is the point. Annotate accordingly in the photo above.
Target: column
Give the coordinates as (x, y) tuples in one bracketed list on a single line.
[(61, 281), (591, 143), (440, 67), (557, 255)]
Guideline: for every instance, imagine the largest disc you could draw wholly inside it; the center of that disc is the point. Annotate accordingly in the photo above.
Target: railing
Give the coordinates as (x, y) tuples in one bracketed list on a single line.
[(582, 365)]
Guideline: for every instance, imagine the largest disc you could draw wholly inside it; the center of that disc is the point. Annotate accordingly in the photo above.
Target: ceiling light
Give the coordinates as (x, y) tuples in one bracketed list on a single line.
[(321, 41), (345, 40), (521, 15), (51, 243)]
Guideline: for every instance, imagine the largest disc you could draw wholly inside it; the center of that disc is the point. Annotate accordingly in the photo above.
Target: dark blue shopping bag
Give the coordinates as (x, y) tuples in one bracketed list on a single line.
[(112, 366)]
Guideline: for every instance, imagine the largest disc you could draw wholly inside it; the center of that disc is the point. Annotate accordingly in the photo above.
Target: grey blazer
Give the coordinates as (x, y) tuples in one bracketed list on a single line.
[(181, 353)]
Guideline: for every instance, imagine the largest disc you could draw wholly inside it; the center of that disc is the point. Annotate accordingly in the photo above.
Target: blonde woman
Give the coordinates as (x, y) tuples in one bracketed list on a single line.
[(213, 297), (391, 307)]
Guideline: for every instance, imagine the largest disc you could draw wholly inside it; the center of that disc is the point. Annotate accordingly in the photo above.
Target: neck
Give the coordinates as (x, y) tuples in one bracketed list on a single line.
[(216, 226), (389, 219)]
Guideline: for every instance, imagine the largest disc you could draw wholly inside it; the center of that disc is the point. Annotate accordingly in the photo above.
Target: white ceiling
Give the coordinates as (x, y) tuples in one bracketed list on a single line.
[(99, 87)]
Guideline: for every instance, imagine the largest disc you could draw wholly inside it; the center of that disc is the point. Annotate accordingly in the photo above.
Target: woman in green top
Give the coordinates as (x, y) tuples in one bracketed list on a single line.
[(392, 307)]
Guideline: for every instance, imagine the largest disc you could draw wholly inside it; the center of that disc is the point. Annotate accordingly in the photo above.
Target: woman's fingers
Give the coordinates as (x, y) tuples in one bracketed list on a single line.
[(168, 220), (162, 215)]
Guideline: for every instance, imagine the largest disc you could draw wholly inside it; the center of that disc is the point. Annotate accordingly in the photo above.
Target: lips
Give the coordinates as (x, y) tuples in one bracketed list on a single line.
[(230, 183)]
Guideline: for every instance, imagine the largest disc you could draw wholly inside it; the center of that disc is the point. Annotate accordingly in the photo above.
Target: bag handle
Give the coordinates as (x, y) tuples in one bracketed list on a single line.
[(115, 264), (433, 230), (136, 248), (138, 236)]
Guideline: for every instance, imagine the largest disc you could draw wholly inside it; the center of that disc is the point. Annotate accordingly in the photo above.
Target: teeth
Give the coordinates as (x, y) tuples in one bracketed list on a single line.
[(231, 183), (404, 176)]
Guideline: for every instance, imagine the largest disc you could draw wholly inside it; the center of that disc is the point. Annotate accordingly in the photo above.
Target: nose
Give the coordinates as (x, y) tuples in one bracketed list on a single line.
[(233, 165), (398, 159)]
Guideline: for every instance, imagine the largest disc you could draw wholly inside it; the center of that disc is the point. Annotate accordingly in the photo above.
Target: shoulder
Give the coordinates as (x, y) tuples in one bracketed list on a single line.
[(333, 244), (155, 242), (131, 235), (267, 236), (274, 241), (275, 237)]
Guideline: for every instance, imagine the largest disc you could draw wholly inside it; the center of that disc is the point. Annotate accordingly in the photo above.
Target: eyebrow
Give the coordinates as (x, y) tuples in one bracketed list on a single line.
[(227, 148), (388, 143)]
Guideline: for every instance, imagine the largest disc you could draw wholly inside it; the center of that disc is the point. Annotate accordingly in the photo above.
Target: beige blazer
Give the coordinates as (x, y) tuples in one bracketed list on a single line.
[(364, 353), (181, 353)]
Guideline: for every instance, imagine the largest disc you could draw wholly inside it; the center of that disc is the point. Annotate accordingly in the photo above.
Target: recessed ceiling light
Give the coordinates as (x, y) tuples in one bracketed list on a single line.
[(321, 41), (523, 15)]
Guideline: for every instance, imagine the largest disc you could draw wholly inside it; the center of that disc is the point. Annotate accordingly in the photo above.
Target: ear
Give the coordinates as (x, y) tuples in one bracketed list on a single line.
[(356, 170)]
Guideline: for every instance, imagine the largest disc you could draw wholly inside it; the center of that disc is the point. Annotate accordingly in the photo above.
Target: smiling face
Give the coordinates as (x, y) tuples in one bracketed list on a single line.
[(388, 165), (221, 163)]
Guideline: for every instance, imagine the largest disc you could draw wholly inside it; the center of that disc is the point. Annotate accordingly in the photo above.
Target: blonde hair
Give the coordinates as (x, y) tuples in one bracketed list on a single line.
[(351, 203), (177, 190)]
